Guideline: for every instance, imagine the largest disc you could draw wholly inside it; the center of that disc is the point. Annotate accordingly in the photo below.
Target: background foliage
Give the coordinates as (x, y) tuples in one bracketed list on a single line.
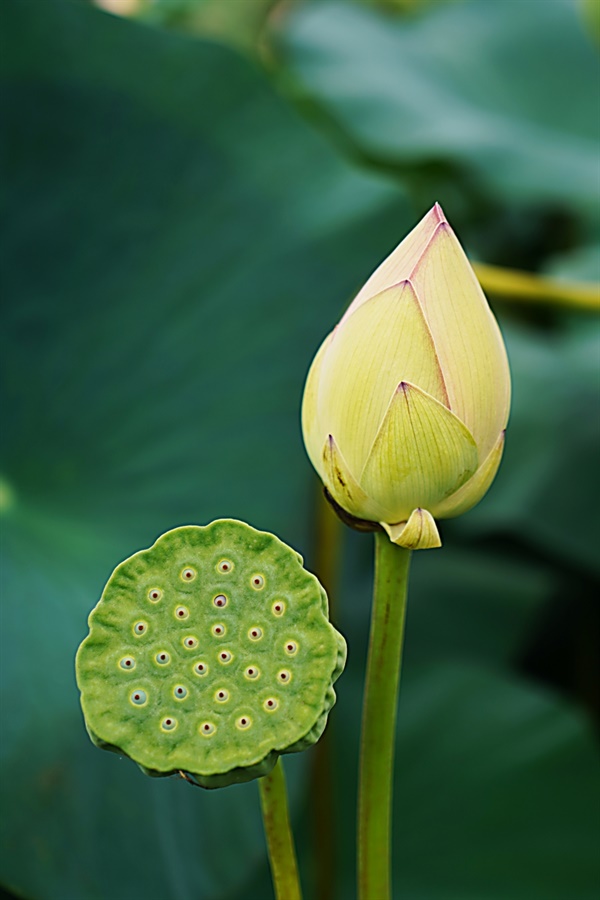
[(183, 220)]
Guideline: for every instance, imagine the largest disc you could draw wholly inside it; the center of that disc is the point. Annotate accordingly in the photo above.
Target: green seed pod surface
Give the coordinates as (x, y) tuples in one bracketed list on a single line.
[(210, 654)]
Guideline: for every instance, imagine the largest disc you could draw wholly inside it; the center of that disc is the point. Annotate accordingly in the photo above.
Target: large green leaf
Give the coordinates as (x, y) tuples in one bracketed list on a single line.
[(176, 240), (178, 243), (466, 603), (496, 790), (490, 776), (549, 476), (508, 92)]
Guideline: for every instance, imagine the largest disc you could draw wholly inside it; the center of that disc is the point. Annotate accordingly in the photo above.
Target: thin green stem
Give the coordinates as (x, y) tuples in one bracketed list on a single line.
[(512, 284), (280, 842), (326, 556), (379, 719)]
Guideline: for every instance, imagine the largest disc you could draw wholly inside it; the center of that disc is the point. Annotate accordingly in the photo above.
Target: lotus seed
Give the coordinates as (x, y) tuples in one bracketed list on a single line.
[(138, 697), (162, 658), (140, 628), (270, 704), (278, 608), (220, 600), (255, 633), (291, 648), (190, 642), (182, 612), (201, 668), (284, 676), (244, 722), (224, 566), (218, 630), (252, 672), (128, 662), (168, 724), (222, 695), (225, 657), (207, 728), (179, 692), (257, 582), (155, 594), (188, 574)]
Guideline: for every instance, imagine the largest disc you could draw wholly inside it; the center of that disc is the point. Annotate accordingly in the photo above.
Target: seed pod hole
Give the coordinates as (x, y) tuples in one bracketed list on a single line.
[(179, 692), (168, 724), (188, 574), (224, 566), (201, 668), (257, 582), (218, 630), (140, 628), (284, 676), (162, 658), (155, 595), (291, 648), (221, 695), (225, 657), (243, 722), (182, 612), (252, 672), (278, 608), (207, 728), (138, 697), (220, 600), (190, 642), (255, 633), (271, 704), (127, 663)]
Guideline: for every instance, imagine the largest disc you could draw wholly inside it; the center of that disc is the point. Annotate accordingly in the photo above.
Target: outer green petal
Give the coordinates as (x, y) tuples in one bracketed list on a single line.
[(345, 489), (422, 454), (468, 341), (419, 533), (475, 488), (313, 434), (384, 342), (399, 265)]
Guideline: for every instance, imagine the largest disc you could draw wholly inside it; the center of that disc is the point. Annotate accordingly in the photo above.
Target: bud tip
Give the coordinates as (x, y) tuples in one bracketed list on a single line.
[(437, 209)]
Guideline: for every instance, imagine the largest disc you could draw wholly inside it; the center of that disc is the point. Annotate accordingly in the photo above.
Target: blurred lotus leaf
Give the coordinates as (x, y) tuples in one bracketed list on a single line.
[(176, 241), (508, 92)]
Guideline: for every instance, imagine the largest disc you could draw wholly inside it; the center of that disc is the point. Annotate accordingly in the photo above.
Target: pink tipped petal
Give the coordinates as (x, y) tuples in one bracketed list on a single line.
[(422, 454), (467, 338), (399, 265), (385, 342), (475, 488), (344, 488)]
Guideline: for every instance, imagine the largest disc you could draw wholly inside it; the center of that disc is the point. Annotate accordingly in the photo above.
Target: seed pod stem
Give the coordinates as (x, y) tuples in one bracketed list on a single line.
[(280, 841), (379, 719)]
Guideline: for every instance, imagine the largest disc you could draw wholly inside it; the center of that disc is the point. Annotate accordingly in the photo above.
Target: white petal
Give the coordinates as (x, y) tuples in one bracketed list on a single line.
[(385, 342), (313, 434), (419, 533)]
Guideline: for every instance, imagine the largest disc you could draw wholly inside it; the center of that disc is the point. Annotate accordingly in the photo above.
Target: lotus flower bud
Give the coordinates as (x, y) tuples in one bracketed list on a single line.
[(407, 400)]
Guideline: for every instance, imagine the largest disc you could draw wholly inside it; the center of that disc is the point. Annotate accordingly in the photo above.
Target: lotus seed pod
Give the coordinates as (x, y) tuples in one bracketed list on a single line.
[(210, 654)]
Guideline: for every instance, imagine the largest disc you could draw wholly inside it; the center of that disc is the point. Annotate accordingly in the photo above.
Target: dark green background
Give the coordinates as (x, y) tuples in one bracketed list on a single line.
[(183, 220)]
